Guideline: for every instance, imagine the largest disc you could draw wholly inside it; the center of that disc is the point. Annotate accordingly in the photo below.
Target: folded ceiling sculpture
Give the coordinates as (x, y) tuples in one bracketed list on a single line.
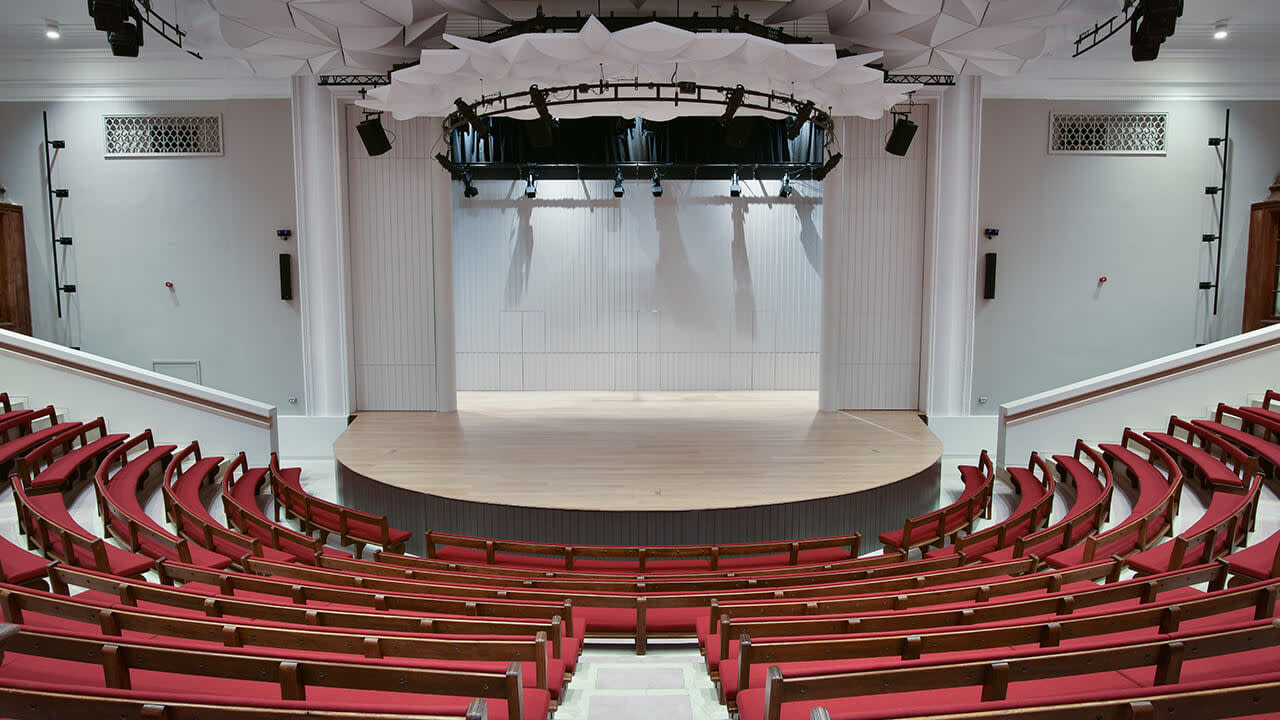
[(652, 52), (996, 37), (285, 37)]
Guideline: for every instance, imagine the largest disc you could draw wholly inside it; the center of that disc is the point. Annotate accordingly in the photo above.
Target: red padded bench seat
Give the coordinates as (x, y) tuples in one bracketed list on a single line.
[(1089, 492), (43, 471), (1225, 508), (54, 508), (243, 492), (352, 526), (122, 493), (20, 445), (1261, 560), (19, 566), (1019, 522), (977, 480), (186, 494)]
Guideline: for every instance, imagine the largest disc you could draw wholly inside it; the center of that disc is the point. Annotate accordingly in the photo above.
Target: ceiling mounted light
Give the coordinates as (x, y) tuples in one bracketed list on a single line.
[(51, 29), (785, 190), (735, 190), (618, 190), (530, 190), (657, 184), (1220, 31), (732, 102), (126, 41), (802, 116), (468, 190)]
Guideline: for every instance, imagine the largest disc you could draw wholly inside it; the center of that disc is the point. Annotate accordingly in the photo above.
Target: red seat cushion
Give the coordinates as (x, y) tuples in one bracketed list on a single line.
[(122, 562), (974, 481), (1214, 470), (1222, 506), (18, 564), (1240, 438), (60, 470), (20, 445), (186, 490), (1256, 560), (244, 491)]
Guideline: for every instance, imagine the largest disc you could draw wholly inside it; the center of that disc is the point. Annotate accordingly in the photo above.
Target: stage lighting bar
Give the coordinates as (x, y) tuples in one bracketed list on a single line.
[(468, 113)]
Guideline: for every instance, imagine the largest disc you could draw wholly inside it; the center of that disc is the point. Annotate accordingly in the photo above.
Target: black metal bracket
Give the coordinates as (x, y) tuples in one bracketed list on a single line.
[(1222, 146), (734, 22), (1103, 31), (162, 27), (55, 193)]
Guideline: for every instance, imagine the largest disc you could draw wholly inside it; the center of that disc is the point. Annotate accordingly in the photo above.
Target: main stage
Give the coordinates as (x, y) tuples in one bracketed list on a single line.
[(640, 468)]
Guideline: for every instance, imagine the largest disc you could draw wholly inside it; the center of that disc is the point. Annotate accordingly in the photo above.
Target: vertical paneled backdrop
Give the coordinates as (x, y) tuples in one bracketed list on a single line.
[(390, 206), (875, 311), (578, 290)]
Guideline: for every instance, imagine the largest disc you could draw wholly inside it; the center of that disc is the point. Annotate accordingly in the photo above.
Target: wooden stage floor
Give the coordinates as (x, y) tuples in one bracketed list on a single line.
[(629, 453)]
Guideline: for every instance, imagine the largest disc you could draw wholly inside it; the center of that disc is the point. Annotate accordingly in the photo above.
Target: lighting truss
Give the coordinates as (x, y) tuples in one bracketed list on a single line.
[(637, 171), (608, 92), (374, 80), (1101, 32), (162, 27), (917, 79)]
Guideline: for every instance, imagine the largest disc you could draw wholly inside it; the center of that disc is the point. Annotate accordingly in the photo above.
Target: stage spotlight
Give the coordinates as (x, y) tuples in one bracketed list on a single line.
[(735, 190), (468, 113), (618, 190), (832, 161), (785, 190), (110, 15), (375, 138), (468, 190), (52, 30), (802, 117), (900, 138), (657, 184), (1220, 30), (540, 130), (530, 190), (126, 41), (732, 103)]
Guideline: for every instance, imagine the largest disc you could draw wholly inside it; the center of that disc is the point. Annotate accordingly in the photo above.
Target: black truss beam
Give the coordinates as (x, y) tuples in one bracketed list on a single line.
[(734, 22)]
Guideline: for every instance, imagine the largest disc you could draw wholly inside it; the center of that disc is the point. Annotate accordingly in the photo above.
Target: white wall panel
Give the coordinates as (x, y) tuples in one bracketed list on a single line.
[(876, 311), (391, 207), (577, 290)]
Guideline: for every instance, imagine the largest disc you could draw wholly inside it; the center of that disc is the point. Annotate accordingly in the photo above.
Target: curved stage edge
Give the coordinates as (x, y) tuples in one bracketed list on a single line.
[(870, 511)]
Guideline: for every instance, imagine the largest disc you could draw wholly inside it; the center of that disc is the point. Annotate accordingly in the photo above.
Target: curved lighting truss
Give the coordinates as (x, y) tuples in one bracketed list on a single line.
[(611, 92)]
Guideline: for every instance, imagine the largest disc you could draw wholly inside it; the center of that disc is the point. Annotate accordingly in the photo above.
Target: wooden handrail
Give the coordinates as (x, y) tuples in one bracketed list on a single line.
[(134, 378)]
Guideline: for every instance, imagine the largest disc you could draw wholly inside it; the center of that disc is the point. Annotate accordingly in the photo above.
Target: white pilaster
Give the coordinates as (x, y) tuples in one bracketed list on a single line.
[(835, 240), (442, 254), (952, 253), (322, 257)]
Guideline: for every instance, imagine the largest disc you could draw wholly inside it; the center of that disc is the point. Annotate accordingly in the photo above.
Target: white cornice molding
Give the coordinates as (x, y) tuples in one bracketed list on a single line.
[(135, 89)]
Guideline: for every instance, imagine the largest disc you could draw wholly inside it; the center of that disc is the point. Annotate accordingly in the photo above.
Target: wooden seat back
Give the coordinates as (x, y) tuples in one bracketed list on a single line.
[(314, 511), (252, 524)]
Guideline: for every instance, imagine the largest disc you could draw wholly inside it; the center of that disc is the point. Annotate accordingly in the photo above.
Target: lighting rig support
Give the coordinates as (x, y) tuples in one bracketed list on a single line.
[(54, 193), (142, 10), (1223, 146)]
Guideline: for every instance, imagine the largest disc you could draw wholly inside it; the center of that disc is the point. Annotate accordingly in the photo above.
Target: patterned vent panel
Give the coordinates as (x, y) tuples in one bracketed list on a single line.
[(162, 135), (1113, 133)]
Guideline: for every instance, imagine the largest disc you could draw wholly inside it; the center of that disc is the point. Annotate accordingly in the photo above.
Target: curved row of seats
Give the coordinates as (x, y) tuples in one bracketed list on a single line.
[(261, 601)]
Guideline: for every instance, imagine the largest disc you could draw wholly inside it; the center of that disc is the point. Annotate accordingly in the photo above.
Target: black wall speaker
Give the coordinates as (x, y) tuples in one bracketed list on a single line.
[(900, 139), (373, 136), (286, 277), (989, 278)]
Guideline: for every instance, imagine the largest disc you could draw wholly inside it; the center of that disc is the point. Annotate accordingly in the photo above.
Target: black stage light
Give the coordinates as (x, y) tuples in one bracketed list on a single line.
[(618, 190), (126, 41), (530, 190), (110, 15), (785, 190), (540, 130), (657, 184), (832, 161), (468, 190), (802, 117), (732, 103), (468, 113), (900, 139), (735, 190), (374, 136)]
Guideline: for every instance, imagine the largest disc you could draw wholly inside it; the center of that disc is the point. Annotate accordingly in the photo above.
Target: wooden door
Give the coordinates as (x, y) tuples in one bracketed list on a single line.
[(15, 298), (1261, 291)]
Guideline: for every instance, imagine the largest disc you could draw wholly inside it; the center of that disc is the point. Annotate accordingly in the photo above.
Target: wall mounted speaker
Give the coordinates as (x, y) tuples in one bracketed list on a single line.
[(286, 277), (989, 278), (373, 136), (900, 139)]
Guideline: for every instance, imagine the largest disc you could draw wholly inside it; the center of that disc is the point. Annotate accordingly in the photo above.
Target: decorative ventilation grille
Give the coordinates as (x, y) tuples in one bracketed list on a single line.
[(162, 135), (1113, 133)]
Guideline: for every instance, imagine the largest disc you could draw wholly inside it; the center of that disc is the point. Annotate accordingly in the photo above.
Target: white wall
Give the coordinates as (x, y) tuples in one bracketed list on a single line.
[(1066, 220), (875, 210), (205, 224), (397, 211), (578, 290)]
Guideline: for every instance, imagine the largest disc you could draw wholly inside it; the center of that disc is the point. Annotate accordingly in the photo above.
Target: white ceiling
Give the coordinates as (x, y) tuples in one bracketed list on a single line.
[(272, 39)]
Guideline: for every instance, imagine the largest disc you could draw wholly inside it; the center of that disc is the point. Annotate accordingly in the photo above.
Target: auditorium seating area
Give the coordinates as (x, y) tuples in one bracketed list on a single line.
[(1123, 579)]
